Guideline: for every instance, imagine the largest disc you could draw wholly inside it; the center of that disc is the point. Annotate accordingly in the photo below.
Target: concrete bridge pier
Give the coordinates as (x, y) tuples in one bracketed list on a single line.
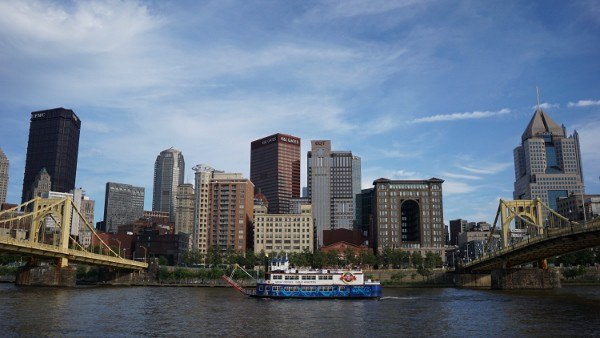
[(525, 278), (48, 275)]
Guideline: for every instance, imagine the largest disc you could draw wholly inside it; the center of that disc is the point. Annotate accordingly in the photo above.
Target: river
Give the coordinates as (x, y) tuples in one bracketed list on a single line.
[(197, 311)]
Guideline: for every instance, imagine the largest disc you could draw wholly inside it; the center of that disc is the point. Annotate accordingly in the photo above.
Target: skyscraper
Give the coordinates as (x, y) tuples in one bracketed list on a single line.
[(275, 169), (53, 144), (547, 163), (169, 169), (123, 204), (333, 184), (3, 176)]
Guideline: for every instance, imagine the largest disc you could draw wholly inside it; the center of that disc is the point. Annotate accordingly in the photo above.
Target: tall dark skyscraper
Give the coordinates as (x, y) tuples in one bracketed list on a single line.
[(275, 170), (53, 144)]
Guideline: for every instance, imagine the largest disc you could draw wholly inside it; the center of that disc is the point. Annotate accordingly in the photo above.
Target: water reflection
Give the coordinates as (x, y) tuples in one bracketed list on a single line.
[(164, 311)]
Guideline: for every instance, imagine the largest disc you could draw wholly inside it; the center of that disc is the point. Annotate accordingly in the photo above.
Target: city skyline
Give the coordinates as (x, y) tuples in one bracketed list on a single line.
[(416, 89)]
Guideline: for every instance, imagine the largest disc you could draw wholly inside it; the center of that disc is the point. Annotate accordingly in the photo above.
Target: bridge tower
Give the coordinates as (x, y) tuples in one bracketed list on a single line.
[(528, 211), (47, 210)]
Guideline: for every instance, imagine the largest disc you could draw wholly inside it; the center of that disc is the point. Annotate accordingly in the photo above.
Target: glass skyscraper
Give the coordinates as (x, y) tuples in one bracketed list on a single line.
[(547, 163), (53, 144), (169, 169)]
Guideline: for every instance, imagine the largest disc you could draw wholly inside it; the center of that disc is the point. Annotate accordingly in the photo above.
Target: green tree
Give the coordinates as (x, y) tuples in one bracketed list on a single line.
[(318, 260), (213, 257), (424, 271), (350, 258), (367, 258), (432, 260), (332, 258), (417, 259), (386, 258)]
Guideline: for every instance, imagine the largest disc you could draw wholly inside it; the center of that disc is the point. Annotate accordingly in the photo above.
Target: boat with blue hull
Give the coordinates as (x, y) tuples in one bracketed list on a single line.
[(282, 282)]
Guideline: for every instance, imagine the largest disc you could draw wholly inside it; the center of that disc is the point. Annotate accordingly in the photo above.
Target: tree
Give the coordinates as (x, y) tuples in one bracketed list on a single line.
[(424, 271), (417, 259), (385, 258), (367, 258), (350, 258), (213, 256), (318, 260), (432, 260), (332, 258)]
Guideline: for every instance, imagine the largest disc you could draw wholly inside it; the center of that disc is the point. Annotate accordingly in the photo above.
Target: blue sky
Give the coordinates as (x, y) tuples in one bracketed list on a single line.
[(418, 89)]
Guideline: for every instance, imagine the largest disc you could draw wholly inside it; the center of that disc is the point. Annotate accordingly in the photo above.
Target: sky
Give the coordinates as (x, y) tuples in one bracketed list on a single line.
[(416, 88)]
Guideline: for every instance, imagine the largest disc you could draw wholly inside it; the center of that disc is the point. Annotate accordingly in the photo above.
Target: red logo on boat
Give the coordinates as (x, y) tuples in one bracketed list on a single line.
[(347, 277)]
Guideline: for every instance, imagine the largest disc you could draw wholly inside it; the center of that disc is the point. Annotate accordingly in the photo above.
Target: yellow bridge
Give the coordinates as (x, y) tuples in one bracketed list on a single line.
[(43, 230), (548, 234)]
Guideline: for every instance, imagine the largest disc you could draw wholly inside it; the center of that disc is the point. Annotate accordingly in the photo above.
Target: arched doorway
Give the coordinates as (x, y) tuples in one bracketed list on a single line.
[(411, 221)]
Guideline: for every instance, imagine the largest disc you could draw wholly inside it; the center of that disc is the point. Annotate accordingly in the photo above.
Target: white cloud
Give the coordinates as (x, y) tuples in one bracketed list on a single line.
[(489, 169), (546, 105), (461, 176), (584, 103), (461, 116), (353, 8), (455, 188), (89, 26)]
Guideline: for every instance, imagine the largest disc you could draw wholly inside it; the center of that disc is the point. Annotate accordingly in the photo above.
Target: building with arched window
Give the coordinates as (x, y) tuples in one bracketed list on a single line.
[(408, 215)]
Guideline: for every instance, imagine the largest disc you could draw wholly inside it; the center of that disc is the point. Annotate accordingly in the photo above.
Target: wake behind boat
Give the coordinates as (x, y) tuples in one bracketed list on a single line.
[(281, 281)]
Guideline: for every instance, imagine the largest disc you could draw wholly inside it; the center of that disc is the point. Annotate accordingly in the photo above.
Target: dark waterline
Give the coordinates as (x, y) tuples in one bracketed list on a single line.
[(193, 312)]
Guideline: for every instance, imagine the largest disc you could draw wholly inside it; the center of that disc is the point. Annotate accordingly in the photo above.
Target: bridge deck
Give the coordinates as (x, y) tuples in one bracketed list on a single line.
[(10, 244), (552, 243)]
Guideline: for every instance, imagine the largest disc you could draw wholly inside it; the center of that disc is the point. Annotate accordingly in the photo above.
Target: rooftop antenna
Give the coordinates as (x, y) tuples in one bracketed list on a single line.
[(537, 89)]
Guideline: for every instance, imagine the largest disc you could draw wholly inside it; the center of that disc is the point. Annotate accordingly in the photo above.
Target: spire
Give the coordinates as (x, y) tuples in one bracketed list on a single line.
[(541, 123)]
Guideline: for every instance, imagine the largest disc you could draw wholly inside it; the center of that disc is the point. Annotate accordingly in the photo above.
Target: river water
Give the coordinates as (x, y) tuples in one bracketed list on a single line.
[(197, 312)]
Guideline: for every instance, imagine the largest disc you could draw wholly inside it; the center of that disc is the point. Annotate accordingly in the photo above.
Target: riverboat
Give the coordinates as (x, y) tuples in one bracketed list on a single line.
[(282, 281)]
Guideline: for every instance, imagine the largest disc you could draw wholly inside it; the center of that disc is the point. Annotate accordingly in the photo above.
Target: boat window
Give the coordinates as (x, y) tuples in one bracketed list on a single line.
[(260, 288), (268, 288), (309, 277), (292, 277), (295, 288), (277, 276), (326, 288), (325, 277), (342, 288)]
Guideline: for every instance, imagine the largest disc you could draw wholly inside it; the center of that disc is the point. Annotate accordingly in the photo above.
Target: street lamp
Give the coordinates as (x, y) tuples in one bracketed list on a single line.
[(145, 252), (118, 241)]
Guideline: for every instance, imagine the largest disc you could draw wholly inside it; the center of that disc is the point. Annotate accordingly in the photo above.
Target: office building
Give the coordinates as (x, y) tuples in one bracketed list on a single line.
[(169, 169), (457, 226), (184, 211), (572, 207), (85, 205), (408, 214), (275, 170), (334, 181), (275, 233), (41, 186), (123, 204), (53, 144), (3, 176), (547, 163)]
